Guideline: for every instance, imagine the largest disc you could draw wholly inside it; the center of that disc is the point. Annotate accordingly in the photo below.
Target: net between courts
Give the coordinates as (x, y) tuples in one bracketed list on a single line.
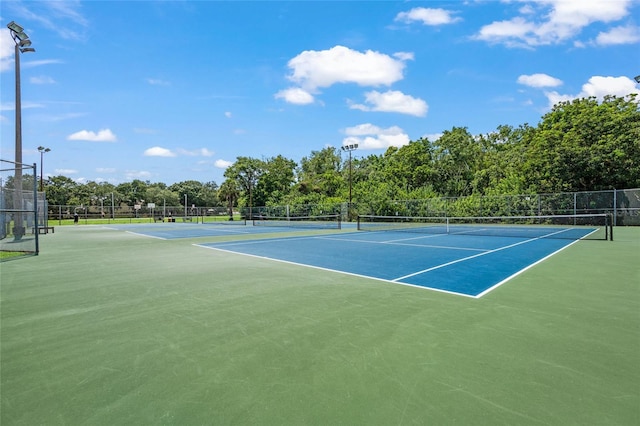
[(574, 227), (223, 221), (311, 222)]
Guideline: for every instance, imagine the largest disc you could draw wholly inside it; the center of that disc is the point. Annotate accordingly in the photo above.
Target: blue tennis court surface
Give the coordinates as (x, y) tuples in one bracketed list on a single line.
[(171, 231), (460, 264)]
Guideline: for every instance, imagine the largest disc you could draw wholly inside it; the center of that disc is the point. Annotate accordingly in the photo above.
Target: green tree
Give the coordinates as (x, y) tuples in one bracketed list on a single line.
[(133, 192), (160, 195), (455, 154), (59, 190), (320, 173), (586, 145), (197, 193), (410, 166), (246, 172), (499, 168), (209, 194), (276, 181)]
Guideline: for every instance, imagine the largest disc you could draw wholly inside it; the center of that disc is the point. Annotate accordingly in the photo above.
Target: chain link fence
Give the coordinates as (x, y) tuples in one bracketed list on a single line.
[(19, 206), (624, 205)]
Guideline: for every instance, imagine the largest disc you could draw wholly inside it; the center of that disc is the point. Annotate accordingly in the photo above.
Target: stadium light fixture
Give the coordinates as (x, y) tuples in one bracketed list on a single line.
[(637, 78), (15, 27), (22, 42), (350, 148), (42, 150)]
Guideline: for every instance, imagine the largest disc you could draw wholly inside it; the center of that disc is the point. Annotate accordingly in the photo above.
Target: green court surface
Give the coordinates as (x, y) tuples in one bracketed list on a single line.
[(105, 327)]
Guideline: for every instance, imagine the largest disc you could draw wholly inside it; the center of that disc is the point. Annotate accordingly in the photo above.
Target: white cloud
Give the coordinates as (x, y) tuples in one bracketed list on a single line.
[(222, 164), (206, 153), (157, 82), (432, 137), (619, 35), (558, 21), (227, 114), (427, 16), (52, 118), (104, 135), (65, 171), (598, 87), (25, 105), (7, 47), (106, 170), (295, 95), (539, 80), (312, 69), (393, 101), (404, 56), (601, 86), (157, 151), (514, 33), (137, 174), (369, 136), (32, 64), (527, 9), (362, 129), (555, 98), (200, 152), (43, 79)]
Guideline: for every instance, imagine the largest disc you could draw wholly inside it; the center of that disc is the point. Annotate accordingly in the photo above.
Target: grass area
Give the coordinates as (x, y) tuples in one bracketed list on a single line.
[(105, 327), (10, 254)]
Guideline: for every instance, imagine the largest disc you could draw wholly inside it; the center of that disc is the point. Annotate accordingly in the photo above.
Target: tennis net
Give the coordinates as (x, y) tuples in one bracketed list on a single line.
[(221, 220), (574, 227), (313, 222)]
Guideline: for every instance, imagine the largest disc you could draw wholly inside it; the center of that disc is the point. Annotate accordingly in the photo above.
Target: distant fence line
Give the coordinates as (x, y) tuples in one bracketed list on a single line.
[(623, 204)]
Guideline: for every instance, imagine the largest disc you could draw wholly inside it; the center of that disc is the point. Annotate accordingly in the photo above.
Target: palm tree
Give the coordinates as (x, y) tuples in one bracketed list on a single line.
[(228, 192)]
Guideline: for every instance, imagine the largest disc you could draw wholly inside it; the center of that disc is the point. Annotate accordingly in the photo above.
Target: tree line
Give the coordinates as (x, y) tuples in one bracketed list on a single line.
[(580, 145)]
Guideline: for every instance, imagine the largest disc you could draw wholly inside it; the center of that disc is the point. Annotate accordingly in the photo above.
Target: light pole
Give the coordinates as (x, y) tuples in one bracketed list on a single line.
[(350, 148), (42, 150), (22, 46)]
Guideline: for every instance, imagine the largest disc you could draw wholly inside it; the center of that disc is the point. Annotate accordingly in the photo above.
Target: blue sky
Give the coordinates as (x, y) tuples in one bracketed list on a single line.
[(168, 91)]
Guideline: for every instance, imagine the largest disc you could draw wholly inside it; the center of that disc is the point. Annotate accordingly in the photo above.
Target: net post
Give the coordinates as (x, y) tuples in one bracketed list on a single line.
[(358, 222), (610, 226)]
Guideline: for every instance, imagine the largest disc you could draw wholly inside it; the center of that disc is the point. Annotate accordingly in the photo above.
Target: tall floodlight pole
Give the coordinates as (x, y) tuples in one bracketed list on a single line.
[(350, 148), (42, 150), (22, 46)]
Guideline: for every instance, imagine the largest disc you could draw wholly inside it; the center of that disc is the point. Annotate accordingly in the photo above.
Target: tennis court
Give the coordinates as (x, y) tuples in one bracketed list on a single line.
[(108, 326), (219, 228), (467, 260)]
